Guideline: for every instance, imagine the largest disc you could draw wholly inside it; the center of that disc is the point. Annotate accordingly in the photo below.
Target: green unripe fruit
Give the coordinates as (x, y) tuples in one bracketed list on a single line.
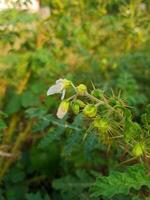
[(76, 105), (81, 89), (96, 122), (138, 149), (90, 110), (80, 103), (75, 108), (101, 124), (97, 93)]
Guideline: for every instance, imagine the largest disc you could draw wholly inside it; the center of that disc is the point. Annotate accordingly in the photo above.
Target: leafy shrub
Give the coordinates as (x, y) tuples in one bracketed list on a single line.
[(100, 147)]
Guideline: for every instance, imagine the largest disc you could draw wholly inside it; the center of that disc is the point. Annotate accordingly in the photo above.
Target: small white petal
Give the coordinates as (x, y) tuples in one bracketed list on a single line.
[(60, 80), (61, 114), (57, 88), (62, 109)]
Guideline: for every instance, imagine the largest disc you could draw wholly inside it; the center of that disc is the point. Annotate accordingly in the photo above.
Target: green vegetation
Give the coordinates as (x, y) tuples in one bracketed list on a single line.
[(75, 101)]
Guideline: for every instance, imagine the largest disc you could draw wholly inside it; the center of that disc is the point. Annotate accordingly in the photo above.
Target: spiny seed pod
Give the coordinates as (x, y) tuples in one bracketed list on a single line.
[(97, 93), (75, 108), (113, 101), (96, 122), (138, 149), (90, 110), (62, 109), (102, 125), (81, 89), (132, 132)]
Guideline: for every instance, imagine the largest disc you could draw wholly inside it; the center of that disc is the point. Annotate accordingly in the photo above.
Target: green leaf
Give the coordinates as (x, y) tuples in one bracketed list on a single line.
[(36, 196), (29, 99), (75, 136), (2, 125), (52, 136), (41, 125), (13, 104), (14, 16), (121, 182), (36, 112), (77, 182)]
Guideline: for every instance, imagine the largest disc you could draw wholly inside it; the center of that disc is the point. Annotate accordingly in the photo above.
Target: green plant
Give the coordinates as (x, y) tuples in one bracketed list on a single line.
[(103, 136), (112, 122)]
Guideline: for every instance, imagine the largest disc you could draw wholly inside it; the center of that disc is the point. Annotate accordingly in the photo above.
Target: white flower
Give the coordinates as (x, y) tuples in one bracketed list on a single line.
[(62, 109), (59, 87)]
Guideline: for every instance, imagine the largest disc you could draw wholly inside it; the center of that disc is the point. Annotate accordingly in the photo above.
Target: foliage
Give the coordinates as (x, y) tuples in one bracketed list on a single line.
[(94, 142), (121, 182)]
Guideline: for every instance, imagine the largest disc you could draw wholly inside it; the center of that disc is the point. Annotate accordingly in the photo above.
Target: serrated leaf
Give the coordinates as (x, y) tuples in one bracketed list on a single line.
[(75, 136), (53, 135), (77, 182), (121, 182), (36, 112)]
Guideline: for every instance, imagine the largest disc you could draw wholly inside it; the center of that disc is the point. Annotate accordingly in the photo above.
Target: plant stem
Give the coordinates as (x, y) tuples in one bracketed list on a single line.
[(94, 98), (20, 139)]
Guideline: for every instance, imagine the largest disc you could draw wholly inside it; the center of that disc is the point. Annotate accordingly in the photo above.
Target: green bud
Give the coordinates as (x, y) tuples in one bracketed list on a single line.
[(90, 110), (138, 149), (66, 83), (62, 109), (81, 89), (76, 105), (97, 93), (102, 125), (75, 108), (80, 103)]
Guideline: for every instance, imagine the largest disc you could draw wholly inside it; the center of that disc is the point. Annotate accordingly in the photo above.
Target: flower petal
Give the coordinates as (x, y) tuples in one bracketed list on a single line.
[(62, 109), (60, 81), (57, 88)]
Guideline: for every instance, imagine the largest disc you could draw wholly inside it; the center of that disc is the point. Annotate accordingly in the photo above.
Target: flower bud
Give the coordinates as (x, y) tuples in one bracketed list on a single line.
[(138, 149), (62, 109), (75, 108), (101, 124), (66, 83), (80, 103), (81, 89), (90, 110)]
